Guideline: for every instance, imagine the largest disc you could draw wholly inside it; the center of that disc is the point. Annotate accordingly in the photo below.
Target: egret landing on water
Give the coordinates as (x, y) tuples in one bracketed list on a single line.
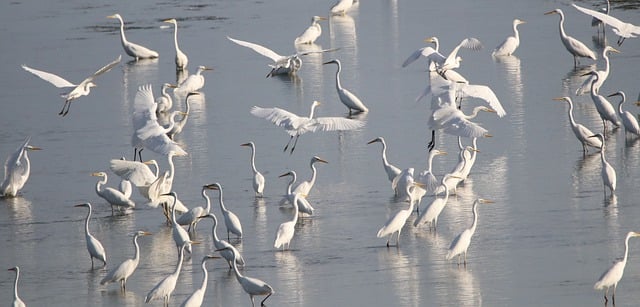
[(612, 276)]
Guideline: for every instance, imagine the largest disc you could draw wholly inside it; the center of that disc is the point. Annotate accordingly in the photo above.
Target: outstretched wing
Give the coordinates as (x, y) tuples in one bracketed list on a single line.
[(56, 80), (485, 93), (258, 48), (317, 51), (468, 43), (106, 68), (137, 172), (624, 29), (333, 124), (280, 117)]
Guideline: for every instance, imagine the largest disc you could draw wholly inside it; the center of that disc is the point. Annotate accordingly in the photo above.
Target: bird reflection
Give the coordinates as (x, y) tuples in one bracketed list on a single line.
[(260, 219), (181, 75), (575, 78), (404, 276), (343, 35), (312, 70), (468, 291), (291, 275)]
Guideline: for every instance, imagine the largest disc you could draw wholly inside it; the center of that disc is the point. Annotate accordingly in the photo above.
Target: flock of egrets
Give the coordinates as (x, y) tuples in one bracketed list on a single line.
[(446, 87)]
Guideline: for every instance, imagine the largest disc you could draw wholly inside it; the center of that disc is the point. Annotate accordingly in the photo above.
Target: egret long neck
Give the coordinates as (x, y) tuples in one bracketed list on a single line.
[(172, 167), (384, 154), (253, 160), (207, 201), (314, 173), (180, 259), (626, 249), (475, 217), (175, 37), (515, 32), (173, 212), (621, 102), (86, 222), (100, 183), (214, 230), (222, 207), (235, 266), (204, 275), (15, 285), (338, 84), (561, 26), (123, 39), (602, 149), (136, 256), (295, 208), (293, 179), (571, 119)]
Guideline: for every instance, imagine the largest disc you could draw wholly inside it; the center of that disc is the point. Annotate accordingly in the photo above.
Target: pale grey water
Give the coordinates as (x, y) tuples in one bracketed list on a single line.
[(545, 241)]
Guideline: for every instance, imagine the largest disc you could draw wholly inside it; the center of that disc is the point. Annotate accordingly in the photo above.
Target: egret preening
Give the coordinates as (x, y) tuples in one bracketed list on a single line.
[(196, 298), (574, 46), (81, 89), (305, 186), (166, 286), (231, 221), (396, 222), (612, 276), (113, 196), (192, 217), (181, 58), (93, 245), (286, 230), (165, 102), (258, 179), (134, 50), (252, 286), (511, 43), (303, 204), (312, 33), (220, 244), (180, 236), (296, 125), (341, 7), (17, 169), (628, 120), (583, 134), (125, 269), (350, 100), (17, 302), (622, 29), (608, 172), (193, 83), (461, 242), (391, 170), (433, 210)]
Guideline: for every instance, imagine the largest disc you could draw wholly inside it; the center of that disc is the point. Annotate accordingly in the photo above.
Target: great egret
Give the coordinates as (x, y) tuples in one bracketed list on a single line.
[(221, 244), (623, 29), (350, 100), (178, 126), (196, 298), (286, 230), (93, 245), (433, 210), (602, 74), (628, 120), (231, 221), (193, 83), (112, 196), (511, 43), (396, 222), (303, 204), (251, 286), (192, 217), (180, 236), (453, 60), (138, 173), (125, 269), (574, 46), (341, 7), (17, 169), (134, 50), (391, 170), (181, 58), (582, 133), (426, 177), (305, 186), (608, 172), (466, 153), (166, 286), (296, 125), (605, 109), (452, 121), (81, 89), (164, 102), (258, 179), (17, 302), (469, 162), (595, 22), (281, 64), (612, 276), (461, 242), (312, 33), (404, 180), (433, 54)]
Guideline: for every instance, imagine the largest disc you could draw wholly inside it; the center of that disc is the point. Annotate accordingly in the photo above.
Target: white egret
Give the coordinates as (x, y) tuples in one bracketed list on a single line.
[(602, 74), (426, 177), (138, 173), (252, 286), (582, 133), (433, 54), (81, 89), (451, 183), (605, 108), (433, 210), (221, 244), (17, 302), (404, 180), (303, 204), (628, 120), (134, 50), (595, 22), (623, 29), (466, 169), (452, 121), (296, 125), (396, 222), (196, 298), (608, 172), (178, 126), (453, 60), (612, 276), (281, 64), (391, 170), (258, 179), (125, 269), (286, 230), (192, 217), (181, 58), (93, 245), (574, 46), (17, 169), (164, 102), (125, 186), (113, 196), (341, 7), (461, 242), (166, 286), (511, 43), (305, 186), (193, 83), (312, 33), (180, 236), (350, 100), (231, 221)]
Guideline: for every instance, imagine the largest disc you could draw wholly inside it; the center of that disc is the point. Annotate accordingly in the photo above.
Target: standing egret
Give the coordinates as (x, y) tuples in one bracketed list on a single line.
[(602, 74), (181, 58), (426, 177), (231, 221), (605, 109), (164, 102), (193, 83), (612, 276), (305, 186), (286, 230), (511, 43), (350, 100), (81, 89), (196, 298), (134, 50), (608, 172), (466, 168), (125, 269), (341, 7), (312, 33), (628, 120), (166, 286), (252, 286), (93, 245), (461, 242), (432, 212), (192, 217), (258, 179), (221, 244), (574, 46), (391, 170), (622, 29), (180, 236), (178, 126), (303, 204), (17, 302), (17, 169), (583, 134), (396, 222), (297, 125), (112, 196)]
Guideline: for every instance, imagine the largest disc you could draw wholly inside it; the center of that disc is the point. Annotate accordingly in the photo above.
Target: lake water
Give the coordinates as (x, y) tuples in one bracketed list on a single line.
[(545, 241)]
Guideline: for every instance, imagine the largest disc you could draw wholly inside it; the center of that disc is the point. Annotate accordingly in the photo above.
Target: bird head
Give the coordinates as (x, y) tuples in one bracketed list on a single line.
[(565, 98), (556, 11), (318, 159), (172, 20), (213, 186), (289, 173), (83, 205), (99, 174), (378, 139), (115, 16), (250, 144), (485, 201), (334, 61)]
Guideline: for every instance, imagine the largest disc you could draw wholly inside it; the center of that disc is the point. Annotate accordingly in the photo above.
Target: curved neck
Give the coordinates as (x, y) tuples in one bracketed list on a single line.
[(314, 172), (155, 164), (136, 256), (313, 108), (293, 179), (175, 36), (295, 208), (15, 284), (100, 183), (475, 112), (430, 161), (123, 39), (602, 149), (570, 112), (338, 84), (205, 275), (180, 259), (173, 211), (594, 80), (86, 221), (220, 200), (207, 200), (172, 168), (475, 217), (626, 249), (561, 25), (620, 104), (384, 154), (607, 66), (214, 228), (235, 265), (253, 159), (515, 32)]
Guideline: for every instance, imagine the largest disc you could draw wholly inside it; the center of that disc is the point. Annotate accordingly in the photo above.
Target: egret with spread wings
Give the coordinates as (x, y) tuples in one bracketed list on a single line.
[(623, 29)]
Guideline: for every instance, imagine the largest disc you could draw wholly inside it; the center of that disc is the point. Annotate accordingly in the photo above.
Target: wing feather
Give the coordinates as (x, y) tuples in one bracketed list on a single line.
[(258, 48), (56, 80)]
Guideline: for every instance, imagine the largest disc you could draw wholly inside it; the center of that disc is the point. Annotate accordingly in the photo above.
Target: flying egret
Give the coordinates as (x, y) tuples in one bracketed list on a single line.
[(574, 46), (286, 230), (305, 186), (113, 196), (608, 172), (164, 102), (192, 217), (258, 179), (193, 83), (595, 22), (17, 168), (125, 269), (433, 54), (221, 244), (432, 212), (166, 286), (312, 33), (461, 242), (178, 126), (251, 286), (341, 7), (426, 177), (612, 276), (396, 222), (93, 245), (180, 236), (296, 125), (81, 89), (453, 60), (628, 120), (134, 50), (181, 58), (452, 121), (303, 204), (623, 29), (602, 74), (583, 134), (391, 170), (231, 221), (281, 64), (17, 302), (196, 298), (350, 100), (511, 43), (605, 109)]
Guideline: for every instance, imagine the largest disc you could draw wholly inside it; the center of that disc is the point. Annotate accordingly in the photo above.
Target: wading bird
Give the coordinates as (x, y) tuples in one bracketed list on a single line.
[(602, 74), (93, 245), (574, 46), (391, 170), (134, 50), (305, 186), (221, 244), (231, 221), (605, 108), (612, 276), (608, 172), (166, 286), (628, 120), (196, 298), (17, 169), (181, 58), (303, 204), (350, 100), (17, 302), (164, 102), (125, 269), (511, 43), (432, 212), (461, 242), (193, 83), (251, 286), (396, 222), (426, 177), (192, 217), (113, 196), (582, 133), (258, 179), (312, 33), (180, 236), (286, 230)]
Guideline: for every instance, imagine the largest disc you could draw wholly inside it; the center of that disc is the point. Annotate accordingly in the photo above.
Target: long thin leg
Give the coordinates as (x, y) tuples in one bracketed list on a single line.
[(433, 141), (262, 303), (253, 304), (294, 144), (68, 107), (287, 146), (613, 295), (63, 107), (91, 262)]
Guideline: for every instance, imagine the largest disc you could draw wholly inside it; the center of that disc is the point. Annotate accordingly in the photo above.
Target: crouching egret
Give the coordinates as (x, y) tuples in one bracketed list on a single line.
[(125, 269), (252, 286), (612, 276), (17, 169), (461, 242), (93, 245)]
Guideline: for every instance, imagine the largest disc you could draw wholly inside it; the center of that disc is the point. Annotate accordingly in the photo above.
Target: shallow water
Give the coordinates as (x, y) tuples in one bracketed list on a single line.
[(546, 239)]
